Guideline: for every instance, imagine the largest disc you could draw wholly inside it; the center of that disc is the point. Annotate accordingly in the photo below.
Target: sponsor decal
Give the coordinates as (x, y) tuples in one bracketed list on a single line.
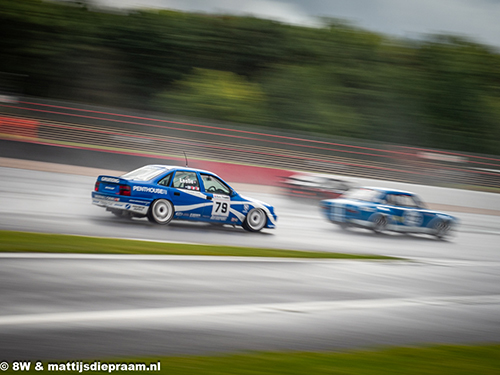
[(109, 179), (108, 198), (145, 189), (127, 206), (367, 209), (413, 218), (245, 208), (187, 181), (194, 215), (192, 188), (116, 205), (221, 197), (234, 219), (397, 219), (138, 202), (218, 218)]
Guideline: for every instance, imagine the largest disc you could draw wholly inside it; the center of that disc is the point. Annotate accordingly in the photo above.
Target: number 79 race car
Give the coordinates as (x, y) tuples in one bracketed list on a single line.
[(163, 193), (386, 209)]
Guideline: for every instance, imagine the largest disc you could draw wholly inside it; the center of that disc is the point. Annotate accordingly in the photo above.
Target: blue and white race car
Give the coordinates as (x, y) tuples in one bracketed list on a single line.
[(163, 193), (386, 209)]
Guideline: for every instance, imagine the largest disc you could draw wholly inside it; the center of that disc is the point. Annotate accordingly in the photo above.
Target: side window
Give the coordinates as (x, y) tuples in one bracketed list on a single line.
[(186, 180), (214, 185), (407, 201), (401, 200), (165, 181), (418, 202), (391, 200)]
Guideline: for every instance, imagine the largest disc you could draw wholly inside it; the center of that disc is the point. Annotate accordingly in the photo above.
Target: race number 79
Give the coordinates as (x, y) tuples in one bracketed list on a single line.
[(220, 208)]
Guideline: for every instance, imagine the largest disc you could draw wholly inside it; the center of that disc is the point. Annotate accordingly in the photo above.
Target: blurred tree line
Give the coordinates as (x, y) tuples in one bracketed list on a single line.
[(441, 92)]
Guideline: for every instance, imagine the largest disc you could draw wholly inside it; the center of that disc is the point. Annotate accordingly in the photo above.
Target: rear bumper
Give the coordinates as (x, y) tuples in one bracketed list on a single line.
[(120, 203)]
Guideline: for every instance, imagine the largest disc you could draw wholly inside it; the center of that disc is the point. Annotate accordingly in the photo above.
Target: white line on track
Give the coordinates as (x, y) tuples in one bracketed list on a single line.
[(294, 307), (249, 259)]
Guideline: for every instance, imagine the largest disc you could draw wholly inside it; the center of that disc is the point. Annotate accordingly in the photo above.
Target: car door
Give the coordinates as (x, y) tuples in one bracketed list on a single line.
[(406, 212), (412, 216), (395, 203), (219, 195), (186, 195)]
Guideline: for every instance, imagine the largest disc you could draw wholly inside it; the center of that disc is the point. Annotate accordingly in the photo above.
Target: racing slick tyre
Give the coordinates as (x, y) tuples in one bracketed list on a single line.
[(441, 229), (161, 212), (255, 220), (379, 224)]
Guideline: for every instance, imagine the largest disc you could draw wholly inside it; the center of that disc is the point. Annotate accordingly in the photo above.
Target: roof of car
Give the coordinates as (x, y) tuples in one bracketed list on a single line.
[(316, 176), (177, 167)]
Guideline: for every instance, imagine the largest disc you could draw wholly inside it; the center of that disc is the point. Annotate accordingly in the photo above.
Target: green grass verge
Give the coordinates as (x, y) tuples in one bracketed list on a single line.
[(442, 360), (56, 243)]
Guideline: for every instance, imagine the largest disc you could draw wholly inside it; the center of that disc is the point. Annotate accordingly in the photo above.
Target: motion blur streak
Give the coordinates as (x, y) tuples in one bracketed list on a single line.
[(209, 127), (116, 133), (263, 134)]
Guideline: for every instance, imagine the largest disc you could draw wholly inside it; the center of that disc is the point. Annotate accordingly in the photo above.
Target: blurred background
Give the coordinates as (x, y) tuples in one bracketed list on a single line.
[(312, 94)]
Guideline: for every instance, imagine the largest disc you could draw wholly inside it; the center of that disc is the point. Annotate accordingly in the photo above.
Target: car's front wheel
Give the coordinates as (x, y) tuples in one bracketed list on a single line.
[(379, 224), (161, 212), (255, 220)]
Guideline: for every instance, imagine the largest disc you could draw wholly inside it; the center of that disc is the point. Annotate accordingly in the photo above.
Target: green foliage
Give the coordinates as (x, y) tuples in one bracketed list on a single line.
[(337, 79), (457, 94), (215, 94)]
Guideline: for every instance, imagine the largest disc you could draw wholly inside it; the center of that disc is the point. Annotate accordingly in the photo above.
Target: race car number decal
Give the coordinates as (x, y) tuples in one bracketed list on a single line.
[(220, 207), (413, 218)]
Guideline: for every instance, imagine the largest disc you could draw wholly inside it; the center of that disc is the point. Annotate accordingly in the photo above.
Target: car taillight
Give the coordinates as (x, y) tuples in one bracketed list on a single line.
[(96, 187), (125, 190)]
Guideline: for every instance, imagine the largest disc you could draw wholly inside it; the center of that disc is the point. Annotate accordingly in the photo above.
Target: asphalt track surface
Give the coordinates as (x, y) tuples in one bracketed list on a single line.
[(73, 307)]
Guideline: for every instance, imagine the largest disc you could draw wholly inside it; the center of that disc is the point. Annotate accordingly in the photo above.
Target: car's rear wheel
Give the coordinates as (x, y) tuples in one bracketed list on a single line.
[(255, 220), (442, 229), (161, 212), (379, 224)]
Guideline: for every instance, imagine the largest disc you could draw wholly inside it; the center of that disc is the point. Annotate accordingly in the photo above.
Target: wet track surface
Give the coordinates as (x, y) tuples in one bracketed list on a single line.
[(70, 307)]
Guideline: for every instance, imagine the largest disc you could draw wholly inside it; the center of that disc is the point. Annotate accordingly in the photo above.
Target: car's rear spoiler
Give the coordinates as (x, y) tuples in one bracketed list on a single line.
[(112, 179)]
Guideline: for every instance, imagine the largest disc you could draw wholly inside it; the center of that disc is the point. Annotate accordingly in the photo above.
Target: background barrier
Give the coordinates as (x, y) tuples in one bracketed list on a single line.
[(21, 127), (225, 148)]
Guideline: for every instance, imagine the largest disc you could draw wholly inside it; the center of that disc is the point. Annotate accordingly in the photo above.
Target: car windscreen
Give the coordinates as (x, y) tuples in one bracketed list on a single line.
[(367, 195), (144, 173)]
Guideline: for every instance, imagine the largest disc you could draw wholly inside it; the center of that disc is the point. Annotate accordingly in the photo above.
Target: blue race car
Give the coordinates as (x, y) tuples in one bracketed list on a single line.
[(386, 209), (163, 193)]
